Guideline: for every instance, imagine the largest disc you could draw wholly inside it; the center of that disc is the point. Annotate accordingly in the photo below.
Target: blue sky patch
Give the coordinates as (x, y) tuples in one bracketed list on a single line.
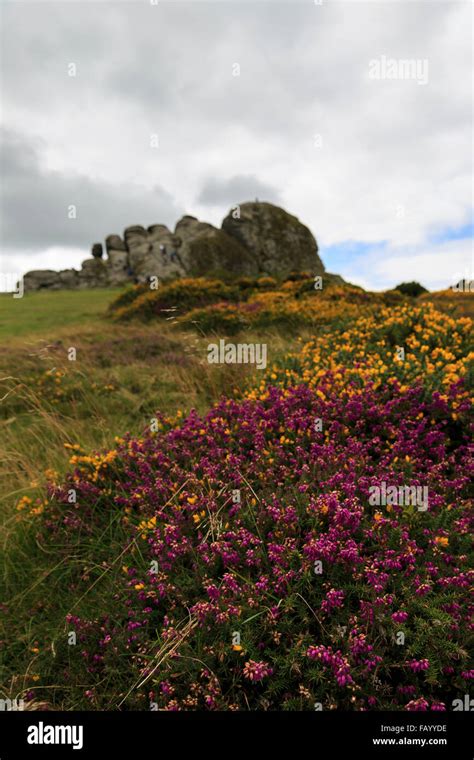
[(339, 255), (446, 234)]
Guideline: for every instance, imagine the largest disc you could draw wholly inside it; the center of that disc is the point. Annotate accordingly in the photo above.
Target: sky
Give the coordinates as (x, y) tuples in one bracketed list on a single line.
[(354, 116)]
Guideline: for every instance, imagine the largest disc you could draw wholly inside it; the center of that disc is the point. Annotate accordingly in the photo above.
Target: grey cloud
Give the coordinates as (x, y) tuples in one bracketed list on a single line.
[(168, 69), (241, 187), (34, 202)]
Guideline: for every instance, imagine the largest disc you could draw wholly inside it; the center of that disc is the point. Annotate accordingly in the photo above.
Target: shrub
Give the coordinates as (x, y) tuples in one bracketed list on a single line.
[(296, 591), (127, 297), (180, 295), (413, 289)]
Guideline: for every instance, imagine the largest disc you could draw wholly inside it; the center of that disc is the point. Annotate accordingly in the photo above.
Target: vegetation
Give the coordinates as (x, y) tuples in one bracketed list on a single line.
[(413, 289), (205, 531)]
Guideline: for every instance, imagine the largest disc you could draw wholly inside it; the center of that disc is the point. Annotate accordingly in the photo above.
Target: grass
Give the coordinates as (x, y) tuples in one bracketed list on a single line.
[(44, 312), (123, 374)]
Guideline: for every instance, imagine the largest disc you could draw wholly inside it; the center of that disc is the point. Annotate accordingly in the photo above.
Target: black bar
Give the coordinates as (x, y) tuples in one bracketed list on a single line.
[(316, 735)]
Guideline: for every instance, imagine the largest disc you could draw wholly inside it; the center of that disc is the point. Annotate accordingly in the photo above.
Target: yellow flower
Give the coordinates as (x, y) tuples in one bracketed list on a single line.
[(441, 540), (24, 502)]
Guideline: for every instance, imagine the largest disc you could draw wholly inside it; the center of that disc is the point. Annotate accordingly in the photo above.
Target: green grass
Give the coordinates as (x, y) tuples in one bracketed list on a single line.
[(45, 311), (122, 375)]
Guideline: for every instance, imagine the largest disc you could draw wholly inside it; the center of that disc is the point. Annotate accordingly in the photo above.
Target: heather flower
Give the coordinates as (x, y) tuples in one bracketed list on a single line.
[(400, 617), (334, 599), (300, 558), (417, 666), (256, 671), (420, 705)]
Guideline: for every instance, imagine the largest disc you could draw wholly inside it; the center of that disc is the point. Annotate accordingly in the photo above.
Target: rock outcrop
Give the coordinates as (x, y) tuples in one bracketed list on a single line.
[(278, 241), (255, 238)]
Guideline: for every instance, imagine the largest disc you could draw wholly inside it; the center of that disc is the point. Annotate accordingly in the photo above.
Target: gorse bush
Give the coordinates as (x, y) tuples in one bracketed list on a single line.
[(390, 347), (128, 295), (179, 295), (273, 308), (210, 304), (413, 289)]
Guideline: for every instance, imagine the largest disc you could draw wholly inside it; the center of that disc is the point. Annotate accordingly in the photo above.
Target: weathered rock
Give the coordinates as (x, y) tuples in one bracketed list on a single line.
[(134, 229), (214, 253), (134, 236), (117, 259), (69, 278), (139, 250), (93, 273), (118, 264), (136, 241), (265, 239), (158, 231), (278, 240), (38, 279), (141, 262), (166, 256), (189, 226), (114, 243), (143, 266), (186, 231)]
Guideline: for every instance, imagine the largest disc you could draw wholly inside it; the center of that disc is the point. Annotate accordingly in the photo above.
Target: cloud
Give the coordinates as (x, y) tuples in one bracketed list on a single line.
[(435, 267), (238, 189), (302, 124), (349, 253), (36, 201), (445, 234)]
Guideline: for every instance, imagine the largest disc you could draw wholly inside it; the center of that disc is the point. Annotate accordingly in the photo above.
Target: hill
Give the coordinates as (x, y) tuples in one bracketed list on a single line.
[(212, 533)]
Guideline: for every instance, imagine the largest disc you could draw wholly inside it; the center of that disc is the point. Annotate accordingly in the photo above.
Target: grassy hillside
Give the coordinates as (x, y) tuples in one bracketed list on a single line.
[(44, 313), (85, 568)]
